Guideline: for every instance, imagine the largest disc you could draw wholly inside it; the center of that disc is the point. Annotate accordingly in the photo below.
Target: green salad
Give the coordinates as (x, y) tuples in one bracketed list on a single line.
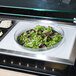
[(39, 37)]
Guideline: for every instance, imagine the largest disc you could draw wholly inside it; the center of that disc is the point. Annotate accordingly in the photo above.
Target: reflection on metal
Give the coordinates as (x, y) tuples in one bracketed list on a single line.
[(46, 21), (66, 1), (4, 61), (19, 63), (40, 56), (27, 65), (11, 62), (74, 20), (53, 70), (36, 66), (44, 68)]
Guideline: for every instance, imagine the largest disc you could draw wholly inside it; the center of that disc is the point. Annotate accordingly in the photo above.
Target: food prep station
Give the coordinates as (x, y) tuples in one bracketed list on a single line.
[(58, 61)]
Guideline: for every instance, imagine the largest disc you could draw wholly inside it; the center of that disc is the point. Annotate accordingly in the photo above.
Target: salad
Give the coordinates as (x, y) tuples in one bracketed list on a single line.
[(39, 37)]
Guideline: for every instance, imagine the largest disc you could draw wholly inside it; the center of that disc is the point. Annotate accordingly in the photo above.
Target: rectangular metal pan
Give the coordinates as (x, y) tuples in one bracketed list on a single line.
[(65, 56)]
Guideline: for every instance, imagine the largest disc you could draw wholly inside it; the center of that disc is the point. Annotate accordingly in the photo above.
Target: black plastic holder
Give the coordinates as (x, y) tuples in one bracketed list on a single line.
[(7, 30), (29, 66)]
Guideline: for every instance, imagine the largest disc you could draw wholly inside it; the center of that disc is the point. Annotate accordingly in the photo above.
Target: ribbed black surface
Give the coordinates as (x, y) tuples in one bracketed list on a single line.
[(29, 65), (28, 13)]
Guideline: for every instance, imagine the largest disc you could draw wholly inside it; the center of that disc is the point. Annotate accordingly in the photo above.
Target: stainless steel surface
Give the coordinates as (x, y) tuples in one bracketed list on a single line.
[(35, 56), (63, 60)]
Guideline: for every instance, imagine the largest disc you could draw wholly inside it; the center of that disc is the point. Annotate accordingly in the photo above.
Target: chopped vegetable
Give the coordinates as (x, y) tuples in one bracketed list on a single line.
[(1, 33), (5, 23), (39, 37)]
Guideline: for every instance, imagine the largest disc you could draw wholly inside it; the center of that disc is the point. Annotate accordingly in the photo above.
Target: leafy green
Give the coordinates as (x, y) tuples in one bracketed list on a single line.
[(39, 37)]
